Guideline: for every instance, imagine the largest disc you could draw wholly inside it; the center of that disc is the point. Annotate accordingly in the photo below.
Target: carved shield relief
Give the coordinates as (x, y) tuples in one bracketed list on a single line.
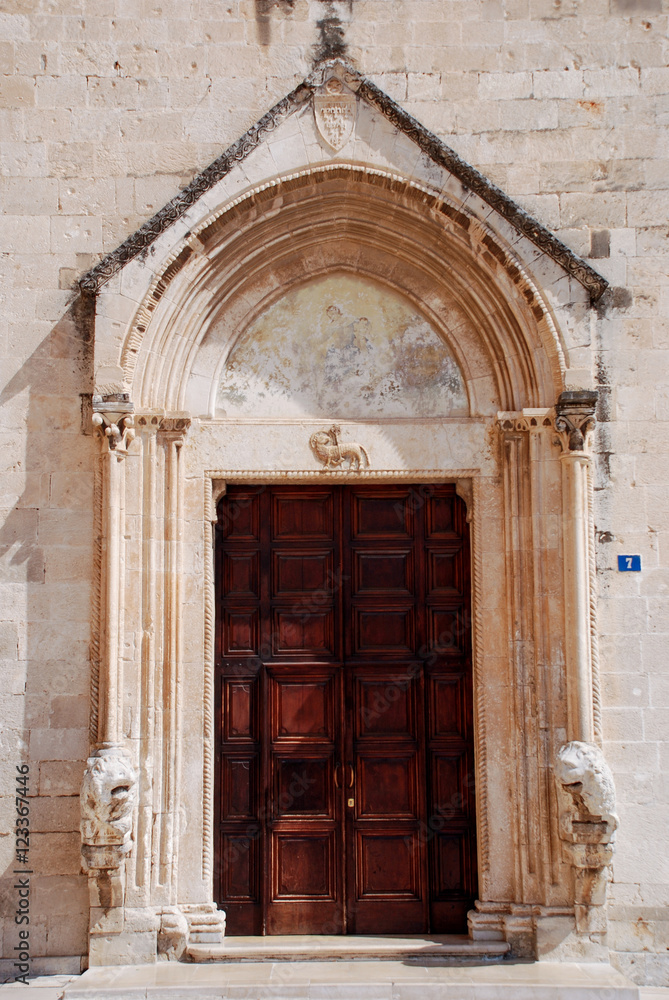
[(334, 112)]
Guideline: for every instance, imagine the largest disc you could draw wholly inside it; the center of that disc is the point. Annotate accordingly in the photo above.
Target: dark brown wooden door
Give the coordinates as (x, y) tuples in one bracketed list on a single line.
[(345, 799)]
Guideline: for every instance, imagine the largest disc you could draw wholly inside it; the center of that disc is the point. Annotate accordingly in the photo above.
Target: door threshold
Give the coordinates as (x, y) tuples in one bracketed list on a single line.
[(333, 948)]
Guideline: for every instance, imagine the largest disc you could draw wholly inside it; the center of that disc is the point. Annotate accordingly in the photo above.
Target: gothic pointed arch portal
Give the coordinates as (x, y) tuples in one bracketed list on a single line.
[(377, 317)]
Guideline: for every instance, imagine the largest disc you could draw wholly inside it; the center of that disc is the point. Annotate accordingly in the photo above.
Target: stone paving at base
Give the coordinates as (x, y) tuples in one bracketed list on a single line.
[(339, 981)]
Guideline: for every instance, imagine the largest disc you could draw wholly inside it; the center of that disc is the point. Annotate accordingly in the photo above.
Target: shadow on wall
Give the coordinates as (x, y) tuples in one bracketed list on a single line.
[(46, 546), (264, 17), (330, 42)]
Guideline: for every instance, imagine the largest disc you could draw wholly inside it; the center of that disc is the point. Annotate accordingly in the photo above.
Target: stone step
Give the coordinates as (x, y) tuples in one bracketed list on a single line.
[(335, 948), (385, 980)]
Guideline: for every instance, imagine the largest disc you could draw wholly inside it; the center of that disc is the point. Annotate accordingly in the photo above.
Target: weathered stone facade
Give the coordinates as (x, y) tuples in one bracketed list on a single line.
[(117, 443)]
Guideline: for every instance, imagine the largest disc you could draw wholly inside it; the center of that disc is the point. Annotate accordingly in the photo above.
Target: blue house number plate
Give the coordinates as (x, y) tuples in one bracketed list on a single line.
[(629, 564)]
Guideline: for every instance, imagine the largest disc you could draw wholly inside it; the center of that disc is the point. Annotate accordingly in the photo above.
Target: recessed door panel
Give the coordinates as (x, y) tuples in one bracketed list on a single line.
[(378, 631), (302, 707), (344, 777), (447, 706), (383, 572), (447, 631), (444, 576), (304, 866), (389, 863), (304, 786), (240, 634), (381, 514), (385, 704), (240, 574), (239, 784), (240, 710), (302, 633), (309, 573), (238, 519), (387, 785), (301, 515), (238, 867)]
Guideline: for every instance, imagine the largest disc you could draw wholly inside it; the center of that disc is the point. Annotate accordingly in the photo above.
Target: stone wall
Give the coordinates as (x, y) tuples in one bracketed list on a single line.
[(107, 107)]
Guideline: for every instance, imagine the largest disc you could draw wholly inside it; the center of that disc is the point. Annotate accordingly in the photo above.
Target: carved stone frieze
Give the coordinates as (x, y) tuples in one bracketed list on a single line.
[(332, 452), (525, 420), (113, 417), (575, 418)]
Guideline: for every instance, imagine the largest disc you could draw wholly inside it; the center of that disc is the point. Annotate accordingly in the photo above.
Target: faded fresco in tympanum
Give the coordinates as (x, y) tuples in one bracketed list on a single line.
[(341, 346)]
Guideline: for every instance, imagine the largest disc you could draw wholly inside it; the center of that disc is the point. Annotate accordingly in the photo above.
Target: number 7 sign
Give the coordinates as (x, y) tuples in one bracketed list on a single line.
[(629, 564)]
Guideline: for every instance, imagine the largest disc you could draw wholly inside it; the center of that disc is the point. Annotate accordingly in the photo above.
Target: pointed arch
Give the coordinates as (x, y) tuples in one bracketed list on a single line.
[(462, 274)]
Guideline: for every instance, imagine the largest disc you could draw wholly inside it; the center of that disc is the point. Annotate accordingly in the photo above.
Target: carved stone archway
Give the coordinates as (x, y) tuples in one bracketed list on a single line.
[(515, 321)]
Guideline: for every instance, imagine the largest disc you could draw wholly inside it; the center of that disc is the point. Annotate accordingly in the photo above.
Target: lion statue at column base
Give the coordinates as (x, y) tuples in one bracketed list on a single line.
[(108, 794), (584, 774)]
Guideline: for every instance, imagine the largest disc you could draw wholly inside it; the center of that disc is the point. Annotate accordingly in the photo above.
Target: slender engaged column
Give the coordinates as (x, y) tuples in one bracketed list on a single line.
[(171, 436), (574, 422), (109, 785)]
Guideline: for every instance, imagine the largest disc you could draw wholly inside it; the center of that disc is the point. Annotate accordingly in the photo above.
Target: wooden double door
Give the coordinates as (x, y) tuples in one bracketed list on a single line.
[(345, 771)]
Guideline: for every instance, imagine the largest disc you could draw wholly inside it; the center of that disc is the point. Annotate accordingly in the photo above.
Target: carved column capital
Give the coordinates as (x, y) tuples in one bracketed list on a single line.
[(575, 418), (174, 428), (528, 419), (113, 418)]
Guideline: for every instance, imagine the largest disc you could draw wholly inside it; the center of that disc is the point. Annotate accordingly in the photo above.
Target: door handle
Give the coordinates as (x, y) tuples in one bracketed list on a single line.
[(336, 776), (351, 776)]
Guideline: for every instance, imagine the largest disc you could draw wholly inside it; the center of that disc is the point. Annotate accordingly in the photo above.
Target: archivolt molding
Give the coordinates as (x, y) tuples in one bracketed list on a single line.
[(458, 271)]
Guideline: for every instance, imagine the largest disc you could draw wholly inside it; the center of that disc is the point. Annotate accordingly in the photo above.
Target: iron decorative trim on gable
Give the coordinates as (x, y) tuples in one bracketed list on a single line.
[(434, 148)]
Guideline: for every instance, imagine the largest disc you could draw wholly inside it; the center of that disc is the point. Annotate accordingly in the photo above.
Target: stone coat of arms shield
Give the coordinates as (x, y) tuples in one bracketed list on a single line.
[(334, 112)]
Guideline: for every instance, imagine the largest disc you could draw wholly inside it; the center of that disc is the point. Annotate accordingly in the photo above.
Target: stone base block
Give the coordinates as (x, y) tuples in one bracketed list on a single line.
[(127, 948), (642, 967), (48, 965), (206, 924)]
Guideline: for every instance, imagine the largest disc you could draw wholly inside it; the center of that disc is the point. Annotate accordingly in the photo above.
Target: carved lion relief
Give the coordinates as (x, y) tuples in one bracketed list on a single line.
[(585, 775), (108, 795), (332, 452)]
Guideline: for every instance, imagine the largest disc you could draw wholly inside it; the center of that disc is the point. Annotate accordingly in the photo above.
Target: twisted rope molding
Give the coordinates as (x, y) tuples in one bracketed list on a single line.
[(208, 688), (434, 148), (592, 599), (96, 602), (261, 476), (480, 728)]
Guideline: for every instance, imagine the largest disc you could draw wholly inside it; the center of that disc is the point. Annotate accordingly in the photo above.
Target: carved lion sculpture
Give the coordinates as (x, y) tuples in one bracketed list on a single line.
[(583, 772), (107, 800), (328, 450)]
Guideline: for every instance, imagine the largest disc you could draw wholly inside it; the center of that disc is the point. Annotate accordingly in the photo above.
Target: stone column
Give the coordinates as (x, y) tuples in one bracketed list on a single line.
[(109, 786), (530, 475), (574, 421), (171, 436)]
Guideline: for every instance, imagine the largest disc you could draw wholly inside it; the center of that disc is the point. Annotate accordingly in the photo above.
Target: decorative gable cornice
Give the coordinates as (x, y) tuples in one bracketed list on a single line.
[(428, 143)]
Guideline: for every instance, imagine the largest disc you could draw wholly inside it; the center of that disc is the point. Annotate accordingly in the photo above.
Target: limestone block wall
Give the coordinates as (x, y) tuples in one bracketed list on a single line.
[(107, 107)]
